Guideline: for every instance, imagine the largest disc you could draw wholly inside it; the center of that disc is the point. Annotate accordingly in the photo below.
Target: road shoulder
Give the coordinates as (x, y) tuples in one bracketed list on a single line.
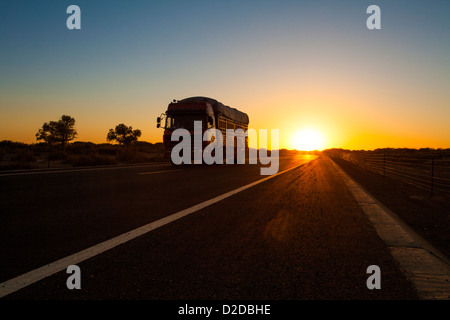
[(423, 265)]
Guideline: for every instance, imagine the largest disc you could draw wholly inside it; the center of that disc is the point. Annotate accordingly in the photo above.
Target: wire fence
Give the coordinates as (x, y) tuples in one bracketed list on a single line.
[(428, 170)]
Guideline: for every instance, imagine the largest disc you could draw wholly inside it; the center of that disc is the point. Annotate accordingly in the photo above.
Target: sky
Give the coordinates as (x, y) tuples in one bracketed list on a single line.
[(290, 65)]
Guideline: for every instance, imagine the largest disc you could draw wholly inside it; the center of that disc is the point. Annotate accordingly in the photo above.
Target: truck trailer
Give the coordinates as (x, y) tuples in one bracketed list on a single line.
[(213, 115)]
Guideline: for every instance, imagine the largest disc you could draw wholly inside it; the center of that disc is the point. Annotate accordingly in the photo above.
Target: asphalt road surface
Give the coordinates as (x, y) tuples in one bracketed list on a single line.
[(299, 235)]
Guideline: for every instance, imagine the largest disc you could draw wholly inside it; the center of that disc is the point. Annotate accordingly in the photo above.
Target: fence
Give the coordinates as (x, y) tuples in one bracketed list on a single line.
[(428, 170)]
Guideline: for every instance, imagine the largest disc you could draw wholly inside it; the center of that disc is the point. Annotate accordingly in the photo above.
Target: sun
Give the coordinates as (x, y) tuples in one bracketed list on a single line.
[(308, 139)]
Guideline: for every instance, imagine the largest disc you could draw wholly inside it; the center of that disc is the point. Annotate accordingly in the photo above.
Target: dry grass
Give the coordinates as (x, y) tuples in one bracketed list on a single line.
[(16, 155)]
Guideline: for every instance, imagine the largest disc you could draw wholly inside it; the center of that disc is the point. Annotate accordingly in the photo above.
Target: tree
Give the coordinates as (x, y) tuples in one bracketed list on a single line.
[(58, 132), (123, 134)]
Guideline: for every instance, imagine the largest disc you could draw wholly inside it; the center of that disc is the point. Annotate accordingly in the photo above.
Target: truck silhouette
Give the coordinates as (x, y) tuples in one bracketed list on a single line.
[(212, 113)]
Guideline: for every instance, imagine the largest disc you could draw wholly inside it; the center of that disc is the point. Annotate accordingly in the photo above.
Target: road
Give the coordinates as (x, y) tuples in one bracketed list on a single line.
[(298, 235)]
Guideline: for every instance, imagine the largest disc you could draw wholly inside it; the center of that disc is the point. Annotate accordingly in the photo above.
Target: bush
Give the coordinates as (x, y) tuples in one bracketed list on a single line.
[(13, 145), (108, 149), (24, 156), (40, 147), (93, 159), (81, 148), (57, 155), (131, 156)]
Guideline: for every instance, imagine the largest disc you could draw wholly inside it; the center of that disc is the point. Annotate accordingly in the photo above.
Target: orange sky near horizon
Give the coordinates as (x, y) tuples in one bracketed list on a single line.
[(289, 66), (354, 129)]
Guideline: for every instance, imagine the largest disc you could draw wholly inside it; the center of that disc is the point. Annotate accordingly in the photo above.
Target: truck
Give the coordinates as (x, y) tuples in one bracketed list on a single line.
[(213, 115)]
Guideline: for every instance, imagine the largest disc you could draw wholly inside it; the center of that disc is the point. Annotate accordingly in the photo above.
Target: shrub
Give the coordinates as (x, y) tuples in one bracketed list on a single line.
[(81, 148), (108, 149), (93, 159)]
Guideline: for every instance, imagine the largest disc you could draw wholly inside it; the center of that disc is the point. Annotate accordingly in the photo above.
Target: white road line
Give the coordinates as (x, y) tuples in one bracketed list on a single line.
[(35, 275), (163, 171), (81, 170), (426, 268)]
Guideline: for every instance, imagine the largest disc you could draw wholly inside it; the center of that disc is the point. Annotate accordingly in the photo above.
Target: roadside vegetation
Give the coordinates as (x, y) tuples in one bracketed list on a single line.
[(17, 155), (55, 148)]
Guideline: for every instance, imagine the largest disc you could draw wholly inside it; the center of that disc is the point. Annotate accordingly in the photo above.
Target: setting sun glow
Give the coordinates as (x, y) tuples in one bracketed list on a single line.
[(308, 139)]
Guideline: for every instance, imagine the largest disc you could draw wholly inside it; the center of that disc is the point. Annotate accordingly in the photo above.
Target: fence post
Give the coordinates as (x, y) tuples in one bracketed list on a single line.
[(432, 175), (384, 163)]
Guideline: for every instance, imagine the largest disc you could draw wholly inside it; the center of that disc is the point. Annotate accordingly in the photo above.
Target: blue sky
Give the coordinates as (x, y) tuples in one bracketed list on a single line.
[(311, 61)]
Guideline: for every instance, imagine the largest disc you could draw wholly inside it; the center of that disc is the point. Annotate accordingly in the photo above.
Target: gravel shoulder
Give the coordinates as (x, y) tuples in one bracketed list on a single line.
[(427, 216)]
